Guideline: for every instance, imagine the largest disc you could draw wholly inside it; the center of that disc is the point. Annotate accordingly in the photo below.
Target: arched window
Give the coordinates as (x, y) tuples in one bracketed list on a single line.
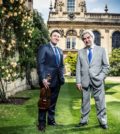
[(71, 5), (70, 42), (71, 39), (97, 38), (73, 42), (116, 39)]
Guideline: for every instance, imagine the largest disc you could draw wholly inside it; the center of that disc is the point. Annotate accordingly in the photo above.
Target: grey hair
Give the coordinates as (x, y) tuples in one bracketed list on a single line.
[(89, 32)]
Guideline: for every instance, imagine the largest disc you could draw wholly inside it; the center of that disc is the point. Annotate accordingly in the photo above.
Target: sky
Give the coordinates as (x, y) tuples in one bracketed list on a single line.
[(92, 6)]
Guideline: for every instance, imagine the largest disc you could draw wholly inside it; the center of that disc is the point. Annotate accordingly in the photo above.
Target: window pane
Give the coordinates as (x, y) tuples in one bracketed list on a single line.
[(68, 43), (71, 5), (97, 38), (73, 43), (116, 39)]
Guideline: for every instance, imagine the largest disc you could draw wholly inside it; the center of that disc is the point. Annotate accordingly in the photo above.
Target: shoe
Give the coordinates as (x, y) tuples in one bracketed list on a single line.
[(104, 126), (52, 123), (41, 128), (82, 124)]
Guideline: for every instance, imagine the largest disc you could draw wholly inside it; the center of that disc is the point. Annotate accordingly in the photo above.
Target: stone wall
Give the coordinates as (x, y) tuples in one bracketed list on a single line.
[(21, 84)]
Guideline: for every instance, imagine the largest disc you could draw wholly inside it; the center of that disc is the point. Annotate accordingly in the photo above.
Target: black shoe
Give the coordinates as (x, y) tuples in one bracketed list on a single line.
[(104, 126), (82, 124), (52, 123), (41, 128)]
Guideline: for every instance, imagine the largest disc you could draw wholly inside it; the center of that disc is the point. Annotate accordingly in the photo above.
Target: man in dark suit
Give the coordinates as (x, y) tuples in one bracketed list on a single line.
[(50, 61), (91, 70)]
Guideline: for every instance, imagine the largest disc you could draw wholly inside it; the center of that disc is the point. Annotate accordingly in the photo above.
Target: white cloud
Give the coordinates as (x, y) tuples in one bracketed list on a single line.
[(44, 4), (43, 7), (97, 10), (93, 1)]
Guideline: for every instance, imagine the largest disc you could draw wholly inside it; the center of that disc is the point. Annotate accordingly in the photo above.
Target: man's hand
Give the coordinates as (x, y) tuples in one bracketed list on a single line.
[(79, 87), (46, 83)]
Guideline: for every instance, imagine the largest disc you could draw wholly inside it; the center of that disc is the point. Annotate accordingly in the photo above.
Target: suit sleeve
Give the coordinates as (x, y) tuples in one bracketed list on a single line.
[(78, 70), (41, 63), (105, 65), (62, 70)]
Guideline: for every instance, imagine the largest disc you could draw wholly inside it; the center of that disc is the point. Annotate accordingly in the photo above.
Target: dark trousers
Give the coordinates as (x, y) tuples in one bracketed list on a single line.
[(51, 111)]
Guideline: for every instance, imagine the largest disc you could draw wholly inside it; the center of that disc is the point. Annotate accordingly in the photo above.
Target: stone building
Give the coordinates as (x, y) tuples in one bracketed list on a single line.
[(29, 4), (71, 18)]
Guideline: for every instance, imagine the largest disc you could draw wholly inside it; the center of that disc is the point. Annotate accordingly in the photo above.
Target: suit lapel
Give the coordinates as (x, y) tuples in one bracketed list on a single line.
[(50, 48), (94, 54), (51, 51), (85, 55)]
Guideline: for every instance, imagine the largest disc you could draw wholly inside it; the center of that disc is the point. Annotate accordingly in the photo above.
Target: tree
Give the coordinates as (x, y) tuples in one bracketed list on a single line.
[(115, 62), (22, 31), (71, 60), (39, 37), (15, 37), (8, 63), (41, 34)]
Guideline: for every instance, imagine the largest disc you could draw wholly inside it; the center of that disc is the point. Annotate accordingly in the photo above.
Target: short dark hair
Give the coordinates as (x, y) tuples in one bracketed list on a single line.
[(57, 31)]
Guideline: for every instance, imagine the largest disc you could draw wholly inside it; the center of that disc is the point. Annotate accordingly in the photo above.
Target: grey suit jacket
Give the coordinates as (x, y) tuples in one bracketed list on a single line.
[(96, 71)]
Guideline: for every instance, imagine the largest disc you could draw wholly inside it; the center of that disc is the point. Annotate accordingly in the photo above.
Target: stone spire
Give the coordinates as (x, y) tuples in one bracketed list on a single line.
[(106, 9), (56, 1), (51, 7)]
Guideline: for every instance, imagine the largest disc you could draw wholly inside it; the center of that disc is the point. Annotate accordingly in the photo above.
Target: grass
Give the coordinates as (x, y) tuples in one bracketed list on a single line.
[(22, 119)]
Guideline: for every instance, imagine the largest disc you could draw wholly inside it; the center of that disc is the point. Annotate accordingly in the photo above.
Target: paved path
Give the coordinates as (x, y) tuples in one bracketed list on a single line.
[(114, 79)]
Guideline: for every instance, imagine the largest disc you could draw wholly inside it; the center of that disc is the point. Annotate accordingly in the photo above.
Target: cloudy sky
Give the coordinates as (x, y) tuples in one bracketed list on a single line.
[(92, 6)]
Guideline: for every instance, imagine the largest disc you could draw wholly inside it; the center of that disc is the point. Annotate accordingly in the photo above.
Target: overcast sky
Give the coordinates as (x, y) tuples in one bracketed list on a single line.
[(92, 6)]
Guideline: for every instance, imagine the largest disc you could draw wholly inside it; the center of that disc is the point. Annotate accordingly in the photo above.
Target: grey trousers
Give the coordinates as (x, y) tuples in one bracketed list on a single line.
[(99, 97)]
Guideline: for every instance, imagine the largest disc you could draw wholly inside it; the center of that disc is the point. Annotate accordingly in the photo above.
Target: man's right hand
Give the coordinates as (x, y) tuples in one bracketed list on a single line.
[(79, 87), (46, 83)]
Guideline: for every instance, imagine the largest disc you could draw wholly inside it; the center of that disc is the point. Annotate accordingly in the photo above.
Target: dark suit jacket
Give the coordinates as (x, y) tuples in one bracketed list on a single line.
[(46, 64)]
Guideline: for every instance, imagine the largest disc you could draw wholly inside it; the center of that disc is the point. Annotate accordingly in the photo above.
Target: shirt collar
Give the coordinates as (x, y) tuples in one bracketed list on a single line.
[(92, 46), (52, 45)]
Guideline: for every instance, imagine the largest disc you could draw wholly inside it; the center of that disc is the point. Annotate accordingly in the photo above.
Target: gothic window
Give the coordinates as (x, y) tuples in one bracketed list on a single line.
[(116, 39), (97, 38), (71, 5), (71, 33), (70, 42), (71, 39), (73, 42)]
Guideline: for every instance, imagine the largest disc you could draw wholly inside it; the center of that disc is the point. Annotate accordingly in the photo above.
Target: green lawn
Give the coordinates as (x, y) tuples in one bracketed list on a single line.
[(22, 119)]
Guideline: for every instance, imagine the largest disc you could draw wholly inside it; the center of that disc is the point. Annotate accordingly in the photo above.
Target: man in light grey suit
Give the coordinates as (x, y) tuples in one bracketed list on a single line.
[(91, 69)]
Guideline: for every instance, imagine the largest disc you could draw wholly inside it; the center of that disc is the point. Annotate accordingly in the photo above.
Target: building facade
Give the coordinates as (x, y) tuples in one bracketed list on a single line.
[(29, 4), (71, 18)]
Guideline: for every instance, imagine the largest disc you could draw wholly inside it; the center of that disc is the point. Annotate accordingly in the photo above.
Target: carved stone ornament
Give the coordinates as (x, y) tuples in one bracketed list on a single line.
[(61, 32), (81, 31), (71, 15), (71, 33), (60, 5)]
